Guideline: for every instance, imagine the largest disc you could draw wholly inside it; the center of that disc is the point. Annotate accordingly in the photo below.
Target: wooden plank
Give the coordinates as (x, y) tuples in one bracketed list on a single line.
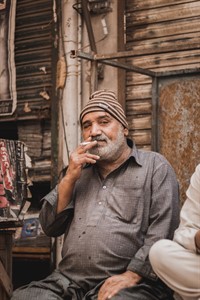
[(31, 256), (41, 250), (142, 137), (159, 15), (163, 29), (6, 236), (5, 280), (140, 92), (156, 45), (161, 45), (138, 107), (134, 5), (133, 79), (166, 59), (143, 122)]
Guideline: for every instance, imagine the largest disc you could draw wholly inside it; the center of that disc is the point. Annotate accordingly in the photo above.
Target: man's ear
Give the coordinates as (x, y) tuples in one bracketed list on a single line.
[(126, 131)]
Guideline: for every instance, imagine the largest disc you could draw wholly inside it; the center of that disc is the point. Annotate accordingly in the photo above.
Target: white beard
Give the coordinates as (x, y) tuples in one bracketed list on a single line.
[(111, 149)]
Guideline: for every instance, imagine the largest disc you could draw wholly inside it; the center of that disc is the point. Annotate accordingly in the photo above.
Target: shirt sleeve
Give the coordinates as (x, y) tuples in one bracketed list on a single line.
[(190, 214), (163, 216), (54, 224)]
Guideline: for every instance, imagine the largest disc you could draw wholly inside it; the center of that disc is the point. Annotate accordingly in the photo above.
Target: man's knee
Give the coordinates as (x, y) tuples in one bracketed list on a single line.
[(159, 253), (18, 295)]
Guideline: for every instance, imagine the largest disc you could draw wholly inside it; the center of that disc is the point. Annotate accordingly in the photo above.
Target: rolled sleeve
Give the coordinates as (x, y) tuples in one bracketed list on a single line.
[(163, 217), (142, 268), (54, 224)]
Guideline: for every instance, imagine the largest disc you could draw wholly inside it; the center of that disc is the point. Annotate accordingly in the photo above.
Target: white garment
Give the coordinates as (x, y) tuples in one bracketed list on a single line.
[(177, 262)]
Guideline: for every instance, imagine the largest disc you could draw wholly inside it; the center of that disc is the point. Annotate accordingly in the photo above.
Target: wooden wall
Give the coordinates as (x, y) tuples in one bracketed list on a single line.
[(163, 36)]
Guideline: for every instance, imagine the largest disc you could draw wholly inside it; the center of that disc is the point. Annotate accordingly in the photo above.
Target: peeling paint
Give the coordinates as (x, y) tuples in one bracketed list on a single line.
[(179, 126)]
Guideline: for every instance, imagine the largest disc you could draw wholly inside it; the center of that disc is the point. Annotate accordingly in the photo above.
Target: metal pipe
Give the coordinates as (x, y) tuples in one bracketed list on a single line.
[(114, 64), (88, 23)]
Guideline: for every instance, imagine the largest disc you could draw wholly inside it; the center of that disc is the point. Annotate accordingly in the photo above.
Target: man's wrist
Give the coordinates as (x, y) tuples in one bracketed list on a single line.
[(134, 275)]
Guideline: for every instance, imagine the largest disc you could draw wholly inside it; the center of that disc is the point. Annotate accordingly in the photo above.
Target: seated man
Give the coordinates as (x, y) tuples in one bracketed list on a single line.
[(112, 204), (177, 262)]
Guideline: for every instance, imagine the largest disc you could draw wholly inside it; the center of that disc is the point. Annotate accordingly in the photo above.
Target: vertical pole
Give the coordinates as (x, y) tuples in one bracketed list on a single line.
[(70, 92), (69, 102), (155, 138), (87, 19)]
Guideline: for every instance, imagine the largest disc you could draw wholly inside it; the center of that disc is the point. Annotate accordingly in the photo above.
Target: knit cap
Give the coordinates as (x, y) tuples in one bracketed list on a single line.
[(104, 100)]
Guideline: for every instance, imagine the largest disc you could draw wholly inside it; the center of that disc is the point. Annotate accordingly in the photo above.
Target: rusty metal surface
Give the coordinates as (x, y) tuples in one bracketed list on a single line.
[(179, 125)]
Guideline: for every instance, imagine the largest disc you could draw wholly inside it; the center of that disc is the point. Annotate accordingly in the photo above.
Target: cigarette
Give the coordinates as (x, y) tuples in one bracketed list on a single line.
[(85, 143)]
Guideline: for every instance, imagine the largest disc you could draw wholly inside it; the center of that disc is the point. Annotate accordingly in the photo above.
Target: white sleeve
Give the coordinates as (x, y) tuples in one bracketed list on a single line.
[(190, 214)]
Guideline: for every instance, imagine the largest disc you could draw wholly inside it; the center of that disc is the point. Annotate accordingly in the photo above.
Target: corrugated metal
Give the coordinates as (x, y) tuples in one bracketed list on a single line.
[(164, 36), (33, 58)]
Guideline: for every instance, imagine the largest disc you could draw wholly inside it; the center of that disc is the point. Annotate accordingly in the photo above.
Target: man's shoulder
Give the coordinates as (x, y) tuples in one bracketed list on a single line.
[(153, 156)]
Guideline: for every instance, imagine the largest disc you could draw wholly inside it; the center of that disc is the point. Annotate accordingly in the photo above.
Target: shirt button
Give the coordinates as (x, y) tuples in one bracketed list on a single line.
[(104, 187), (100, 202)]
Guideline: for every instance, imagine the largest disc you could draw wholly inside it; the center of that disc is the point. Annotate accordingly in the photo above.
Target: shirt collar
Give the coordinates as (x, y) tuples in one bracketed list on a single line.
[(134, 153)]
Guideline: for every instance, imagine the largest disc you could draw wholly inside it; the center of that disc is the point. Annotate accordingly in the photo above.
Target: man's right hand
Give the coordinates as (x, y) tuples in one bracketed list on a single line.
[(78, 158)]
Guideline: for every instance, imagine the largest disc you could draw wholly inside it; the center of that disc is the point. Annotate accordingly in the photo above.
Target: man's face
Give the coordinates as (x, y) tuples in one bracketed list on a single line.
[(109, 133)]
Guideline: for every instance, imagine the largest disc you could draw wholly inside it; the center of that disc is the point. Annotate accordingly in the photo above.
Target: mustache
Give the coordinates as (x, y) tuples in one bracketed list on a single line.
[(101, 137)]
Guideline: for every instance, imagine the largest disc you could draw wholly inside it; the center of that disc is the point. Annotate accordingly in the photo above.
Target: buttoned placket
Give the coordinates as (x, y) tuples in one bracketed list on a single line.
[(100, 205)]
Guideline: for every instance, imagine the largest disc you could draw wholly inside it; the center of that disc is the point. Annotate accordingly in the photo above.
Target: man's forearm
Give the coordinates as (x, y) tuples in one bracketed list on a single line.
[(65, 190)]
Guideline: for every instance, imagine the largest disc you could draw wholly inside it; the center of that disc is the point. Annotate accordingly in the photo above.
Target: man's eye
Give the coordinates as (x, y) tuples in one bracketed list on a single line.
[(85, 126), (104, 122)]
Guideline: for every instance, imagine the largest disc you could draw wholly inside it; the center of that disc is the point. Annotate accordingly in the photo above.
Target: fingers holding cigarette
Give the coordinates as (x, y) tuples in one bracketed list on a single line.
[(88, 143), (84, 148), (85, 143)]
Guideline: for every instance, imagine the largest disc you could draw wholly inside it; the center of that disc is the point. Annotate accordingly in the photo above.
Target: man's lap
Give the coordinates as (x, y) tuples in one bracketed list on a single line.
[(58, 287), (54, 287), (144, 291)]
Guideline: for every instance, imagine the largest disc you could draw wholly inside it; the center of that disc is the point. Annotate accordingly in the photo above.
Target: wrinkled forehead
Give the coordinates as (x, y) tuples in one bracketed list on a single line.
[(97, 115)]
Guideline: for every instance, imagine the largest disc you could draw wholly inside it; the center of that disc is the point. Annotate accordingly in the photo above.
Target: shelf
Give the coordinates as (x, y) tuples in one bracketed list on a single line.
[(24, 252)]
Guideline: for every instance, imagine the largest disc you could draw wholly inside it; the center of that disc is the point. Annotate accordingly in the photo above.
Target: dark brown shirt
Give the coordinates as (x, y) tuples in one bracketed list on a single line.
[(110, 225)]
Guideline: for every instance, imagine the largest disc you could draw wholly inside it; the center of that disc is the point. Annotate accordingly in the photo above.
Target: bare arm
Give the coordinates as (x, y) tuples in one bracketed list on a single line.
[(78, 158)]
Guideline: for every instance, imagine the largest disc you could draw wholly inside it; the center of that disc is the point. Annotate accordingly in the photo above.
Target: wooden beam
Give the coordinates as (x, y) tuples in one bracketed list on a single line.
[(5, 280)]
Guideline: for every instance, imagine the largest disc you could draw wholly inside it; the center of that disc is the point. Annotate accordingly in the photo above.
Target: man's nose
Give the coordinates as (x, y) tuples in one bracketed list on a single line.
[(95, 130)]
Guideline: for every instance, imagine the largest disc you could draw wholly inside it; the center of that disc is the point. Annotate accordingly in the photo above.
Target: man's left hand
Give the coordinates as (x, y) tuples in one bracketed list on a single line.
[(115, 283)]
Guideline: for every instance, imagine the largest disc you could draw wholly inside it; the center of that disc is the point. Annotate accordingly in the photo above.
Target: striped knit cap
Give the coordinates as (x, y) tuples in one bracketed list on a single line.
[(104, 100)]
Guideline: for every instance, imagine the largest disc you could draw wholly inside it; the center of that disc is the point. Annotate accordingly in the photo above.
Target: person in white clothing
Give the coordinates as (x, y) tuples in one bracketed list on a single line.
[(177, 262)]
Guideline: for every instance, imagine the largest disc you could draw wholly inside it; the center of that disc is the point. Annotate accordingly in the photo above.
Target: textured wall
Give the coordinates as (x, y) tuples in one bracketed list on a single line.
[(179, 125)]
